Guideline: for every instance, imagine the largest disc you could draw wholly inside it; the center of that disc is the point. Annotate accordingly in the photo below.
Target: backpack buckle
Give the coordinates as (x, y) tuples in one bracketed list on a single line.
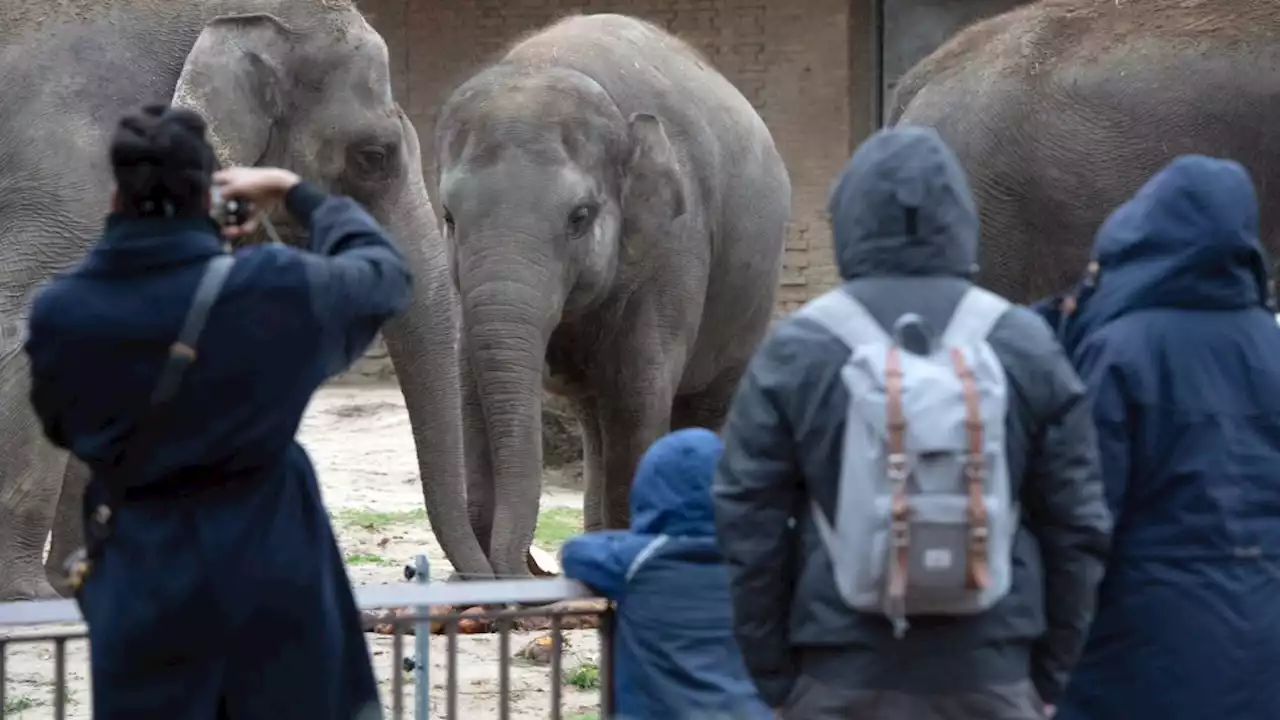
[(973, 471), (897, 467), (900, 531)]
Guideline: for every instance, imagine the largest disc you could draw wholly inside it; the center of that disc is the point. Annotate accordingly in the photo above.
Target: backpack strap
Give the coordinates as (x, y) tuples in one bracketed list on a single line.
[(844, 317), (977, 573), (974, 317), (899, 471)]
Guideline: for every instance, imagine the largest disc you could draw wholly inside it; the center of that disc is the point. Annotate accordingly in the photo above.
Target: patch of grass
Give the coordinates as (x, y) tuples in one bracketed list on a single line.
[(20, 703), (584, 677), (583, 716), (555, 525), (374, 521), (366, 559)]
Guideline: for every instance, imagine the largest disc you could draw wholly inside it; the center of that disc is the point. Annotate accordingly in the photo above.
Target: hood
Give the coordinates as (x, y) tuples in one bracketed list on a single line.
[(1187, 239), (902, 206), (671, 494)]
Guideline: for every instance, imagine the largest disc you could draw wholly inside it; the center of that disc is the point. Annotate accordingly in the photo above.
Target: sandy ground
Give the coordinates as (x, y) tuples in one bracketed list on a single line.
[(360, 442)]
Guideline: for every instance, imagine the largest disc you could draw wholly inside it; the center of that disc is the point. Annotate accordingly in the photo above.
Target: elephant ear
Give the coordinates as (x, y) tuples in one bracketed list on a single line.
[(233, 79), (654, 189)]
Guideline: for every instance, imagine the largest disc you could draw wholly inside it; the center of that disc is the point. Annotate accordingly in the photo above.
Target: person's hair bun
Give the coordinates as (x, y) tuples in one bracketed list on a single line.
[(162, 161)]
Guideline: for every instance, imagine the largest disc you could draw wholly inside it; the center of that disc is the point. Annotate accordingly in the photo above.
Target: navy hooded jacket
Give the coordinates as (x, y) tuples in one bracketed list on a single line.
[(675, 652), (1180, 354), (222, 531)]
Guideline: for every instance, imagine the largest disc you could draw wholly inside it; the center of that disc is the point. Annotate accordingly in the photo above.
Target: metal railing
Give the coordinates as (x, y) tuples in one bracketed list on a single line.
[(416, 605)]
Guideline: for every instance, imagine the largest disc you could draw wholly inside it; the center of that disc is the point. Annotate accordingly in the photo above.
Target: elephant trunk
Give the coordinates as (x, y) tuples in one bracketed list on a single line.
[(422, 343), (507, 322)]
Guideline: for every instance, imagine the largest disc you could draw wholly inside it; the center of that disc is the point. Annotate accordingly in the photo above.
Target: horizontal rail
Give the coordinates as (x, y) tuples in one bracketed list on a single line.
[(530, 591)]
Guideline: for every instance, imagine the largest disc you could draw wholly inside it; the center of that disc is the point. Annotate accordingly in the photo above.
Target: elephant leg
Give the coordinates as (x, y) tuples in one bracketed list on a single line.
[(30, 482), (593, 467), (705, 409), (478, 460), (68, 528), (630, 421)]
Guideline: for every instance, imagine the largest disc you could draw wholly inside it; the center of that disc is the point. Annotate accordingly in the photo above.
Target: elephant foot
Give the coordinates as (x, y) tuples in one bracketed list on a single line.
[(58, 580), (28, 589), (542, 563)]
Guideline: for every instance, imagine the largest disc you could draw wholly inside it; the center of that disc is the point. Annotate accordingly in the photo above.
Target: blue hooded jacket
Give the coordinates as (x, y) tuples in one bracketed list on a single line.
[(676, 656), (1180, 354)]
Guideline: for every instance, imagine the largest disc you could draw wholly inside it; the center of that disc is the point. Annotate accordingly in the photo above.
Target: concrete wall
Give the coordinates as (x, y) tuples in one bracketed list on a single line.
[(804, 64)]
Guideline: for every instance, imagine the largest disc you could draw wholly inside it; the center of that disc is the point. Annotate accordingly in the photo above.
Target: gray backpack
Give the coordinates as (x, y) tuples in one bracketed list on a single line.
[(924, 519)]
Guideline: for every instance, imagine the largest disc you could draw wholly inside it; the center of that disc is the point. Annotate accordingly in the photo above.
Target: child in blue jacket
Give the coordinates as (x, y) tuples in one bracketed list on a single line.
[(675, 654)]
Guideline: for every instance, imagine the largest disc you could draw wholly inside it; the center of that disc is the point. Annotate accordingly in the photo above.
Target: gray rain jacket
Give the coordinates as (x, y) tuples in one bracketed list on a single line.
[(906, 236)]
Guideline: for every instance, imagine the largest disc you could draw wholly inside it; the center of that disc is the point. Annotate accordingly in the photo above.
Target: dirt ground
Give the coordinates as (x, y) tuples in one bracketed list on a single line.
[(359, 440)]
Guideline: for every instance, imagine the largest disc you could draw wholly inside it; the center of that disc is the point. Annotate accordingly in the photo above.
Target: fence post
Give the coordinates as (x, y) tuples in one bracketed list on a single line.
[(422, 646), (608, 703)]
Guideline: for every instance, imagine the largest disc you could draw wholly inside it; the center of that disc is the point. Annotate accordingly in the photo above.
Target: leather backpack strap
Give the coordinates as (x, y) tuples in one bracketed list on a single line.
[(977, 572)]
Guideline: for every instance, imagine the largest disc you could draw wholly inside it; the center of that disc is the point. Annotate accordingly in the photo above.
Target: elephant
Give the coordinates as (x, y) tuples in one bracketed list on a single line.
[(303, 84), (1061, 110), (615, 213)]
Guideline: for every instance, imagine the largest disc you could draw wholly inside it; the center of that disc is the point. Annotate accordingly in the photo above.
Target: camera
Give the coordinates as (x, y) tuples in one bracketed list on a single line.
[(228, 211)]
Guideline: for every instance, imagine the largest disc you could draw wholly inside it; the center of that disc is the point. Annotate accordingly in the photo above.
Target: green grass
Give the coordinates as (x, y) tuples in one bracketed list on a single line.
[(583, 716), (555, 525), (20, 703), (374, 521), (584, 677), (367, 559)]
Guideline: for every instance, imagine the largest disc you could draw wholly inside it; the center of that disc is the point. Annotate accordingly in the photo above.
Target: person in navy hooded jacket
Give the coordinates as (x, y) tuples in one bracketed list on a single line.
[(1172, 333), (220, 591), (676, 656)]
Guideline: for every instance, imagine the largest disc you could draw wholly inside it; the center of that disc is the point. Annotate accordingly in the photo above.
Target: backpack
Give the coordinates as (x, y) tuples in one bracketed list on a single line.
[(924, 519)]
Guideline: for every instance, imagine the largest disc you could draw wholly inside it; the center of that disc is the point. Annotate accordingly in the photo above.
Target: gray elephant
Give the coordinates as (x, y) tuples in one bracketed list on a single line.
[(1061, 110), (299, 83), (616, 211)]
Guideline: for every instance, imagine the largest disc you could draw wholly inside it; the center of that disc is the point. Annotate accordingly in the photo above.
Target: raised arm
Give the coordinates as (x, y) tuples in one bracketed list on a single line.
[(358, 277)]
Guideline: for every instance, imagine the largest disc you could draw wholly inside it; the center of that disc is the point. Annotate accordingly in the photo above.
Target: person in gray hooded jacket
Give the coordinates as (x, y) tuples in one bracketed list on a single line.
[(906, 238)]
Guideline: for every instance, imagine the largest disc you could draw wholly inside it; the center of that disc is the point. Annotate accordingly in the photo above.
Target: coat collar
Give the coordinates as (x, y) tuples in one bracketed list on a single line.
[(132, 244)]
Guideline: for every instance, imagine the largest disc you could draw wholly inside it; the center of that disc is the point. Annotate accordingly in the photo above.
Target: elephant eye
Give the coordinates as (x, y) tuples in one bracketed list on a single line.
[(372, 159), (448, 221), (580, 219)]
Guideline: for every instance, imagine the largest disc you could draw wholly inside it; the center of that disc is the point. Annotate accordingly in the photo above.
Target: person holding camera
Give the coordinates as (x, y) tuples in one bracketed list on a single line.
[(179, 371)]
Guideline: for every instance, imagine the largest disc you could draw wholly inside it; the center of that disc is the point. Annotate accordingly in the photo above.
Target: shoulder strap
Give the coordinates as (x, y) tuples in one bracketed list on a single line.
[(974, 317), (845, 317), (181, 354)]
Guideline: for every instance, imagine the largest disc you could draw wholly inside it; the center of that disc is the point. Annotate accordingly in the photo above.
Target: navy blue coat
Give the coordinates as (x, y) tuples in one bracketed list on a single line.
[(1182, 360), (222, 583), (676, 656)]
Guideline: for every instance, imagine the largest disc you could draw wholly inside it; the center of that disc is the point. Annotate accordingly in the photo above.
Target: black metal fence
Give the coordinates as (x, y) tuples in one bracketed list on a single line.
[(439, 687)]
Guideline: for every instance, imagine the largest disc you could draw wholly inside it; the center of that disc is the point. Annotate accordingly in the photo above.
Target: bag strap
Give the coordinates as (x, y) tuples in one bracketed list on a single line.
[(974, 317), (181, 354), (977, 573), (846, 318)]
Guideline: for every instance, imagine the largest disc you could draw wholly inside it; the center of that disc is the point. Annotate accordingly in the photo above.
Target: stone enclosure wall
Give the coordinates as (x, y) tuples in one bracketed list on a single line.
[(805, 65)]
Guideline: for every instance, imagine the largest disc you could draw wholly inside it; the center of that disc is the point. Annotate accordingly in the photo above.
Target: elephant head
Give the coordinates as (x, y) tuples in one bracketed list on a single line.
[(549, 193), (312, 92)]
